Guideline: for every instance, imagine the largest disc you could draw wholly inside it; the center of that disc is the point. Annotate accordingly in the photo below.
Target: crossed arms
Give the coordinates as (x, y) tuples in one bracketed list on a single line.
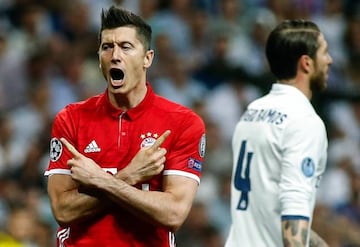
[(168, 208)]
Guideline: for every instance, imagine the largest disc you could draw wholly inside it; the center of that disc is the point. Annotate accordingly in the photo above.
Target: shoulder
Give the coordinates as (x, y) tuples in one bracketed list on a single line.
[(80, 107), (307, 127), (91, 102), (306, 117), (174, 110)]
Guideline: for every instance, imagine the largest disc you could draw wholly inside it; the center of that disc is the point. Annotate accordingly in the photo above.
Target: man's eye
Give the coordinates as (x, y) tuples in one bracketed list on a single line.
[(105, 47)]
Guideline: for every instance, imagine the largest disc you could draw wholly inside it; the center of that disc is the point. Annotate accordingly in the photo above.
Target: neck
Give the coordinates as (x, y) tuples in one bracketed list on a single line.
[(299, 84), (128, 100)]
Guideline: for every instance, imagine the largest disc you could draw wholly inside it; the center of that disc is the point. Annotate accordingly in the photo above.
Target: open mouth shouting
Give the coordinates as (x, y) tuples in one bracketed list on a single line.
[(117, 76)]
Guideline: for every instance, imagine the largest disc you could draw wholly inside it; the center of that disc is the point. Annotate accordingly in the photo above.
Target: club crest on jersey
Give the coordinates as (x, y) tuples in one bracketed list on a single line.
[(308, 167), (55, 149), (148, 139)]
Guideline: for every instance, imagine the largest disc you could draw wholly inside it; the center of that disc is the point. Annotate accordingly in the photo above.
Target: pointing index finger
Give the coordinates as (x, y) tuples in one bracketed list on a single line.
[(70, 147), (161, 139)]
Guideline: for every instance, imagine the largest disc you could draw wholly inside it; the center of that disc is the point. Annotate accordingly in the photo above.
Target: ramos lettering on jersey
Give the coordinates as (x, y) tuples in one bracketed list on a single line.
[(264, 115)]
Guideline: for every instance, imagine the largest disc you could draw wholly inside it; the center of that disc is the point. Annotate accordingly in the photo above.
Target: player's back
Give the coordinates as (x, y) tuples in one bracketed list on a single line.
[(257, 156)]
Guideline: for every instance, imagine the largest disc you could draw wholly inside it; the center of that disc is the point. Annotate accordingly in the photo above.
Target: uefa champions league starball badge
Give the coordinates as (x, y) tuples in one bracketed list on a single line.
[(55, 149)]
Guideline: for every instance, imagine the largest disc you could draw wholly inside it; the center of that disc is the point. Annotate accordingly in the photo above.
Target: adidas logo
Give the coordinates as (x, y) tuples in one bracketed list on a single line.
[(92, 147)]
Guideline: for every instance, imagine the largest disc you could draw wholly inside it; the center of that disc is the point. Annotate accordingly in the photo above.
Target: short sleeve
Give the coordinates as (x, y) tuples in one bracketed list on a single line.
[(304, 160), (188, 150), (63, 126)]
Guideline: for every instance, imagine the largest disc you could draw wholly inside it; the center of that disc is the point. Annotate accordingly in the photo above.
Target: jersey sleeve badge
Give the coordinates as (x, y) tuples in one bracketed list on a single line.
[(55, 149), (202, 146), (308, 167)]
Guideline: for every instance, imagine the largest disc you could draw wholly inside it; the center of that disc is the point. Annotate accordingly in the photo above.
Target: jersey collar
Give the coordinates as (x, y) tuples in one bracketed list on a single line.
[(134, 112), (145, 104), (279, 88)]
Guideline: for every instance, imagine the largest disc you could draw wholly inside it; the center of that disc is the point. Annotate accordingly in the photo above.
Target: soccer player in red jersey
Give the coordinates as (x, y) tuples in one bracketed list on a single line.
[(124, 165)]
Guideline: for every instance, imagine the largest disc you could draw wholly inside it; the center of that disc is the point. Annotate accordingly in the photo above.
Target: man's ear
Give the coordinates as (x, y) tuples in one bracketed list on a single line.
[(306, 63), (149, 56)]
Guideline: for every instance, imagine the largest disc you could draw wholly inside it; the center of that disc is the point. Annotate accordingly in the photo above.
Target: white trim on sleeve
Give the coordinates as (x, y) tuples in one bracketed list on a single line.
[(57, 171), (182, 173)]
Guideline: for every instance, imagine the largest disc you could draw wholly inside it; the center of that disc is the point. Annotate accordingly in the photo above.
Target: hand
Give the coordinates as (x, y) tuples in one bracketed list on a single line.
[(83, 169), (147, 163)]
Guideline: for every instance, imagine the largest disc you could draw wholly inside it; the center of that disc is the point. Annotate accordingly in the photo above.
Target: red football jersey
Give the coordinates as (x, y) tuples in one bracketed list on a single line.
[(111, 138)]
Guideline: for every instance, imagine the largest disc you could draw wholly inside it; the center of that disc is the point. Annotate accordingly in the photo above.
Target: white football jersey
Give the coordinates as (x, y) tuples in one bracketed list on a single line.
[(279, 155)]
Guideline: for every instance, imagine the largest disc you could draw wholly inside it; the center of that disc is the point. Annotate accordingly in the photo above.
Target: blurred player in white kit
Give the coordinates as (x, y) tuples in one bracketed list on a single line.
[(280, 145)]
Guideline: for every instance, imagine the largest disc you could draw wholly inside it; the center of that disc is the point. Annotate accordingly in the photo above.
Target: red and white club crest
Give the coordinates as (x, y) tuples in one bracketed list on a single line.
[(148, 139)]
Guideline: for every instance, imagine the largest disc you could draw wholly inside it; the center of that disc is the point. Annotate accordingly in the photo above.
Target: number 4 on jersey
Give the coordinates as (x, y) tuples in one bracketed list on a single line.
[(242, 182)]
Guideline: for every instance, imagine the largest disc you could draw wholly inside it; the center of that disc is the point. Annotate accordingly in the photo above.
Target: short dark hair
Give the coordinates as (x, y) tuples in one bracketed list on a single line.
[(116, 17), (287, 43)]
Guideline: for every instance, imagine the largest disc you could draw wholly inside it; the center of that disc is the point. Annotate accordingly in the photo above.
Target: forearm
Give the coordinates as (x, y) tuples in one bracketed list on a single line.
[(316, 240), (74, 207), (81, 202), (167, 208), (128, 176), (295, 232), (151, 206), (68, 204)]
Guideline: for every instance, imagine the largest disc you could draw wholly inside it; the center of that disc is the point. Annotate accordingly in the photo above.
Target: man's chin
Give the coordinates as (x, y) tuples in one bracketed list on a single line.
[(116, 83), (116, 89)]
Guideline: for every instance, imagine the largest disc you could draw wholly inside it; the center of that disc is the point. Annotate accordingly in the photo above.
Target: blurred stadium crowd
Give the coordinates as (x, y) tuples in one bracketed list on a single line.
[(209, 55)]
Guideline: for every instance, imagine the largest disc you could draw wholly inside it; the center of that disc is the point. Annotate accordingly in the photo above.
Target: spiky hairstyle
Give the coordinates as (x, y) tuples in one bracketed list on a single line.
[(116, 17)]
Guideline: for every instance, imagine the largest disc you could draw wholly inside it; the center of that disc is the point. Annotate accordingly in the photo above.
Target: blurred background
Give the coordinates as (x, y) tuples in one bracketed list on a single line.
[(209, 56)]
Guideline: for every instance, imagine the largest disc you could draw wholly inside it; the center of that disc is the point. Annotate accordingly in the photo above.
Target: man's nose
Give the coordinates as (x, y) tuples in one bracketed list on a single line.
[(330, 59), (116, 55)]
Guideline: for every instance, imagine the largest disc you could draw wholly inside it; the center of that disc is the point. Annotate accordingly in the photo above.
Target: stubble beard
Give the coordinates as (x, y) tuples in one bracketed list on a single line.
[(318, 82)]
